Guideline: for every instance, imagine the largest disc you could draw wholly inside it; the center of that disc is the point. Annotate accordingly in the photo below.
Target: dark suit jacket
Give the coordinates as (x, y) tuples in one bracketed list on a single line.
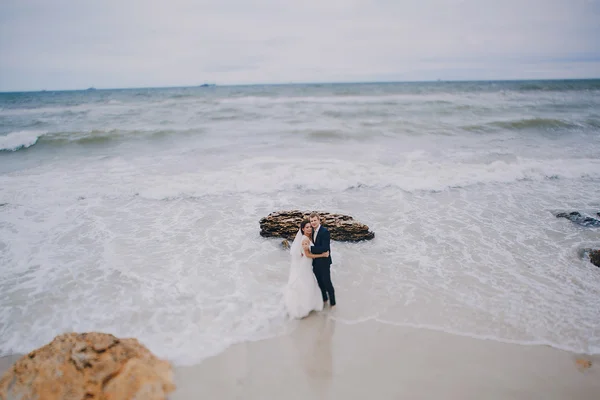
[(322, 244)]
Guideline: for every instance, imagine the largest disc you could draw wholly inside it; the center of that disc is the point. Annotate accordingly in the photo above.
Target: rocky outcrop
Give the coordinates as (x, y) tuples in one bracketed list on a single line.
[(285, 224), (88, 366), (579, 219), (592, 254), (595, 257)]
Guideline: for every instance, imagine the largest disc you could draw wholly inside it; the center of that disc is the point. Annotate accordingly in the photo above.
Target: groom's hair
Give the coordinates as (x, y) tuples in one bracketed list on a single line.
[(314, 215)]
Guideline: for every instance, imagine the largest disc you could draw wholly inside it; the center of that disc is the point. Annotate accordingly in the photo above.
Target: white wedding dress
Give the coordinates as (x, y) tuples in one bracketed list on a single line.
[(302, 294)]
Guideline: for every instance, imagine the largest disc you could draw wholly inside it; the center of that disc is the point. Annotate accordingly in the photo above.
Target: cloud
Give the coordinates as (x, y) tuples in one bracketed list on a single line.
[(68, 44)]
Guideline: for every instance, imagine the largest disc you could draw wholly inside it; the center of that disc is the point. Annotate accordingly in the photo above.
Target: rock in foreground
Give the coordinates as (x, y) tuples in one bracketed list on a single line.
[(285, 224), (88, 366)]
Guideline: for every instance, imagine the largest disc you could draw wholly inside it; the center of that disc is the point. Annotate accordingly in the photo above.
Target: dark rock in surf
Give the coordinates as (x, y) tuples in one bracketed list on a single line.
[(343, 228), (595, 257), (592, 254), (579, 219)]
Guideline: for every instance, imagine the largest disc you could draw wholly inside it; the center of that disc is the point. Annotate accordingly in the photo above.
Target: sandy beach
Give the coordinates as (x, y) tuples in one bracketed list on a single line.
[(325, 359)]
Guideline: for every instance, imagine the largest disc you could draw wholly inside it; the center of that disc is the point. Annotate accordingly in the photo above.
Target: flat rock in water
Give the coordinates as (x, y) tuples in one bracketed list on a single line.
[(285, 224), (578, 218), (88, 366)]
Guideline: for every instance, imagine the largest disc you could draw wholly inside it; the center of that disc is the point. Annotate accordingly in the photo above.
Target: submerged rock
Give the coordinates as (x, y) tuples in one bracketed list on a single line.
[(88, 366), (576, 217), (285, 224)]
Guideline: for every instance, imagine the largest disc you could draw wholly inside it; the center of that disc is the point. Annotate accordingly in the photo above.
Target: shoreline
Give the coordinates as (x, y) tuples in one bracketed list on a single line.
[(326, 359)]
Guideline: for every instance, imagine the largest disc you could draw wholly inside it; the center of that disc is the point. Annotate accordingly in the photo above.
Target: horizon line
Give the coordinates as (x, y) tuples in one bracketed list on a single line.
[(212, 85)]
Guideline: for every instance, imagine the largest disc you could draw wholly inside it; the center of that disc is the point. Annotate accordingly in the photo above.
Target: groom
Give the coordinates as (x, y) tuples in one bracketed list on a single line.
[(321, 266)]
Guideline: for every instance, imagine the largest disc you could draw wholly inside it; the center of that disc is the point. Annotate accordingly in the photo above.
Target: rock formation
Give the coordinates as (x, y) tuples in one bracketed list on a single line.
[(88, 366), (595, 257), (592, 254), (576, 217), (285, 224)]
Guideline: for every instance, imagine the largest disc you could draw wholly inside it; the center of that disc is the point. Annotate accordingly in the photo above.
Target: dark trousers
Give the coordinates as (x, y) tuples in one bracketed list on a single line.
[(323, 275)]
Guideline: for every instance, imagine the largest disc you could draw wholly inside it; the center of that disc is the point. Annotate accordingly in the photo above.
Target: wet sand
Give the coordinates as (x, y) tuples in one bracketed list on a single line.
[(325, 359)]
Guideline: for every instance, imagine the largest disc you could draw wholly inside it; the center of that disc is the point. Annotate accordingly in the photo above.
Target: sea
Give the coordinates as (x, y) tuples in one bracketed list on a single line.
[(136, 211)]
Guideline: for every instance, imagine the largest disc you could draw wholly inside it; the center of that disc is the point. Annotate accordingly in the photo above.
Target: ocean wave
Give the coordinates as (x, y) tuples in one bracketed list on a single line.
[(533, 123), (594, 123), (270, 175), (326, 134), (233, 115), (559, 85), (14, 141), (528, 124), (380, 99)]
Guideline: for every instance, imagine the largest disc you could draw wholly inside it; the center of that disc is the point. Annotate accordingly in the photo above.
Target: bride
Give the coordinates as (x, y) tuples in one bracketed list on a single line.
[(302, 294)]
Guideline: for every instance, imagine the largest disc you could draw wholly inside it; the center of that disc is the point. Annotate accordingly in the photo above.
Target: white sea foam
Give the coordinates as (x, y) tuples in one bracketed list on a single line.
[(20, 139), (415, 171), (273, 174), (190, 276)]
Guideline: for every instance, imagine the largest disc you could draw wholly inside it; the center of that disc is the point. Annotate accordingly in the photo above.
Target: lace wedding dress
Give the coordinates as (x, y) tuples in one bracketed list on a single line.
[(302, 294)]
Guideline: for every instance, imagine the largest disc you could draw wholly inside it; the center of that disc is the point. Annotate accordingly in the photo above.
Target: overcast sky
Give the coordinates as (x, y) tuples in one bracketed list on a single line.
[(74, 44)]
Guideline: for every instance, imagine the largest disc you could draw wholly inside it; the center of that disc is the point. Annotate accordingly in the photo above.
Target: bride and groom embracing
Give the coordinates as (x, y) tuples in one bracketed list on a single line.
[(309, 283)]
